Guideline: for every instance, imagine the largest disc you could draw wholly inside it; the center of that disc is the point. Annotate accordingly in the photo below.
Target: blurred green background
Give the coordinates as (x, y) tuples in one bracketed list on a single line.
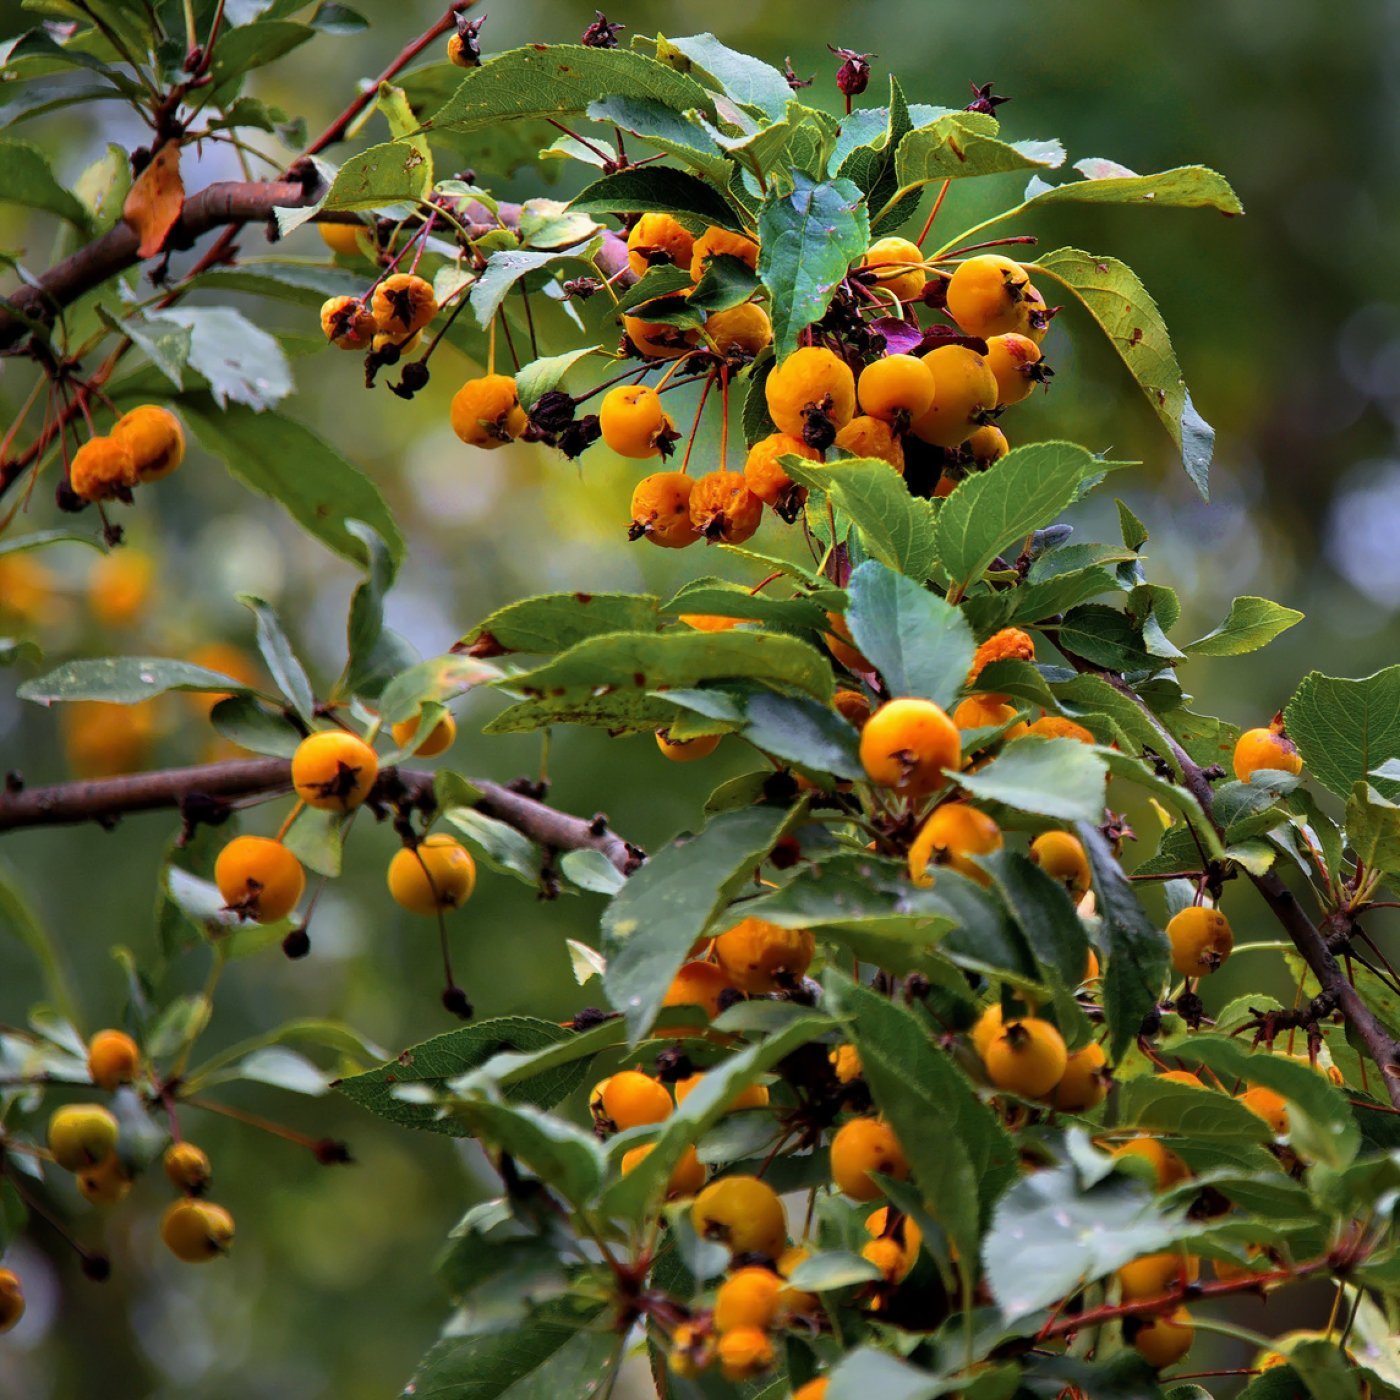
[(1287, 323)]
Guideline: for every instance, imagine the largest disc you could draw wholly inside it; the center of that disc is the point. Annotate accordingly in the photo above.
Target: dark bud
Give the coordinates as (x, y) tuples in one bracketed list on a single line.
[(330, 1152), (984, 100), (591, 1016), (469, 32), (97, 1267), (553, 412), (415, 377), (582, 287), (140, 159), (297, 944), (673, 1064), (112, 533), (916, 987), (67, 499), (1191, 1009), (786, 853), (730, 996), (455, 1000), (601, 34), (751, 1259), (853, 76), (1151, 1024), (14, 781), (793, 81), (579, 436), (818, 431), (779, 789)]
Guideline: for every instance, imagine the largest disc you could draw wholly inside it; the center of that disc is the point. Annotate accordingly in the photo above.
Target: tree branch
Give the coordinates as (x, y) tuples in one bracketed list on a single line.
[(106, 799)]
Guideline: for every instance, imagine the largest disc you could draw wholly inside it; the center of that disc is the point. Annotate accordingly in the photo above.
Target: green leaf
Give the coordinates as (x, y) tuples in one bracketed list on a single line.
[(1059, 778), (365, 626), (242, 363), (553, 1353), (1049, 920), (867, 1371), (726, 282), (1373, 829), (660, 912), (561, 1155), (1052, 1233), (502, 847), (1345, 729), (748, 80), (1138, 952), (315, 839), (124, 680), (535, 380), (717, 597), (21, 920), (920, 644), (251, 46), (324, 492), (1185, 187), (306, 284), (511, 265), (1150, 1105), (1252, 623), (896, 528), (1112, 294), (678, 134), (990, 512), (1321, 1124), (659, 189), (807, 240), (959, 1154), (395, 172), (871, 165), (963, 144), (439, 679), (433, 1062), (281, 660), (166, 345), (1106, 637), (27, 178), (556, 79), (555, 622)]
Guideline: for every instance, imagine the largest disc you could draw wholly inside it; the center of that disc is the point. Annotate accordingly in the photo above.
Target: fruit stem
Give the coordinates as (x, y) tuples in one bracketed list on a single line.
[(933, 213)]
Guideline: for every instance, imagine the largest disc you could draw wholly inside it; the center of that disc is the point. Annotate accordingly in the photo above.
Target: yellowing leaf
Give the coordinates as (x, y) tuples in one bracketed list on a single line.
[(156, 200)]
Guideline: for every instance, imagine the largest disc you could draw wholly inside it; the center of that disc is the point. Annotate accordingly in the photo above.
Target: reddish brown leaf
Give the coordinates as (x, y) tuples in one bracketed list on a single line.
[(156, 199)]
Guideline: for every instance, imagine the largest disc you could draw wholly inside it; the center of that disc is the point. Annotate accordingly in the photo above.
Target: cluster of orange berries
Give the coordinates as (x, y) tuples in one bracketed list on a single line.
[(335, 771), (144, 445), (390, 317)]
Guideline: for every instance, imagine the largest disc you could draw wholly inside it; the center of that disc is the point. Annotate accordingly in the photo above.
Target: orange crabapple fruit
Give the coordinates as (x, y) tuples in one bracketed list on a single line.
[(187, 1168), (1058, 727), (661, 510), (1163, 1341), (896, 389), (659, 340), (436, 875), (698, 984), (852, 706), (907, 743), (259, 879), (898, 267), (865, 436), (101, 469), (82, 1135), (1084, 1083), (740, 332), (1061, 856), (1015, 363), (965, 393), (334, 770), (1201, 939), (842, 647), (153, 437), (765, 477), (760, 957), (658, 240), (1151, 1275), (754, 1096), (953, 833), (987, 445), (347, 323), (811, 395), (439, 740), (1258, 749), (12, 1302), (749, 1297), (861, 1146), (1010, 644), (1168, 1168), (686, 750), (846, 1063), (723, 509), (403, 305), (486, 412), (687, 1176), (106, 1184), (989, 712), (720, 242), (744, 1352), (633, 422), (113, 1059), (196, 1231), (1027, 1058), (742, 1213), (1268, 1105), (120, 586), (892, 1251), (343, 239), (631, 1099), (985, 293)]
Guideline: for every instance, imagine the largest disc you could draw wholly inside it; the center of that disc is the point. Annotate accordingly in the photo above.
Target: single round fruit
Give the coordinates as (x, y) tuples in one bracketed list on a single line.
[(1084, 1084), (386, 341), (862, 1146), (988, 712), (259, 879), (154, 438), (744, 1352), (987, 445), (1182, 1076), (742, 1213), (1028, 1058), (1155, 1274), (840, 645), (852, 706), (658, 340), (1015, 363), (486, 412), (699, 984), (952, 833), (403, 304), (687, 1176), (755, 1096), (438, 874), (907, 743), (106, 1184), (11, 1299), (1009, 644), (1201, 940), (101, 469), (741, 332), (1258, 749), (1033, 317), (965, 393), (1061, 856), (657, 240), (632, 1099), (865, 436), (811, 395), (460, 54), (633, 422), (899, 266), (747, 1298), (348, 323), (710, 622), (334, 770), (1165, 1340), (661, 510), (984, 295), (766, 478), (896, 389), (988, 1027), (1057, 727), (82, 1135), (196, 1231), (892, 1251), (187, 1167), (686, 750), (723, 509), (720, 242), (341, 238), (759, 957), (796, 1302), (1170, 1170), (113, 1059), (1271, 1107), (444, 732)]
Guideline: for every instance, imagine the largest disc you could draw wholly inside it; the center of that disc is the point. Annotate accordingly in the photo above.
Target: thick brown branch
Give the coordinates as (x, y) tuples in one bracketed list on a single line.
[(228, 202), (106, 799)]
